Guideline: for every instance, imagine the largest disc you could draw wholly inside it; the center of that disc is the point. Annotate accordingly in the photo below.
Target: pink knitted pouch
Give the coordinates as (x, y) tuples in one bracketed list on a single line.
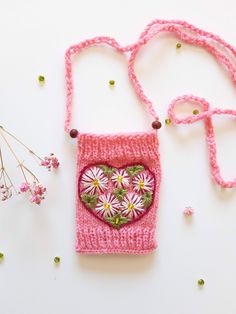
[(118, 176), (118, 183)]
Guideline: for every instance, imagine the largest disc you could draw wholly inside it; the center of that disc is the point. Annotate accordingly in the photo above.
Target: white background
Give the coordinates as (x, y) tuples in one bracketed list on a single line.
[(34, 37)]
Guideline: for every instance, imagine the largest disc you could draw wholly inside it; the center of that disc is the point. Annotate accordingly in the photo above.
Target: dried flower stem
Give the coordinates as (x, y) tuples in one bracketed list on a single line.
[(33, 188), (13, 153), (20, 142), (4, 173), (30, 172), (20, 164)]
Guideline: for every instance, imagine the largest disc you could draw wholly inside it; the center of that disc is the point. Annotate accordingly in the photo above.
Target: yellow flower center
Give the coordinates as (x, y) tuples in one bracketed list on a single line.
[(130, 206), (119, 179), (95, 183), (141, 184), (107, 206)]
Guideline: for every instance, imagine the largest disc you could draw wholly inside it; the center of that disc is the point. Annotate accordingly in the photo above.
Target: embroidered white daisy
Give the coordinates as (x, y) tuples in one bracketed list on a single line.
[(132, 205), (143, 182), (94, 180), (107, 205), (120, 178)]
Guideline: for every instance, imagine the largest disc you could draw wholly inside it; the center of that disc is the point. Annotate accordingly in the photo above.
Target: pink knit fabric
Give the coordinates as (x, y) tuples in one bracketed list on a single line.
[(93, 236), (138, 237)]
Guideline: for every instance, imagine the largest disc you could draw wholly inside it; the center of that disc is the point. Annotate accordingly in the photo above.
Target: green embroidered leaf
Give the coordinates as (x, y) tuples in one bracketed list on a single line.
[(147, 199), (89, 200), (133, 170), (107, 170), (109, 219), (123, 220), (117, 220), (119, 193)]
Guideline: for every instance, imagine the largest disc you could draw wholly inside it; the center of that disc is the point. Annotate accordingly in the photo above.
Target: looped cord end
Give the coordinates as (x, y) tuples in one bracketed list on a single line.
[(205, 115), (201, 102)]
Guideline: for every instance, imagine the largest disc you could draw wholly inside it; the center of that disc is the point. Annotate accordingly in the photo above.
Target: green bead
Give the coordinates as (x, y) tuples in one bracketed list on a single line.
[(178, 45), (57, 260), (41, 79), (1, 256), (167, 121), (201, 282), (112, 82), (195, 111)]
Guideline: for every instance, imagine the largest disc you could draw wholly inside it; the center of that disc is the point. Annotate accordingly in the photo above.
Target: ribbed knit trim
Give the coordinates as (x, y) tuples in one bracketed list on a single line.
[(137, 240), (108, 146)]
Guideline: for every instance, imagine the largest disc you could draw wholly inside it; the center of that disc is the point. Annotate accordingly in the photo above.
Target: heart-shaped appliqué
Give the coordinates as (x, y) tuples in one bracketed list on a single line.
[(117, 195)]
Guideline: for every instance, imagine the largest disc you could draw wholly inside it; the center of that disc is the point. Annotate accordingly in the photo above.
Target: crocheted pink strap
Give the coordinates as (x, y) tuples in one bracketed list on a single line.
[(205, 115), (221, 50), (186, 32), (69, 81), (100, 40)]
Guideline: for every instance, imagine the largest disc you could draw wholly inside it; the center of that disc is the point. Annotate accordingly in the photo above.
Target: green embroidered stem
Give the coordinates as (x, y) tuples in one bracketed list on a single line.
[(107, 170), (134, 170), (147, 199), (89, 200), (117, 220), (119, 193)]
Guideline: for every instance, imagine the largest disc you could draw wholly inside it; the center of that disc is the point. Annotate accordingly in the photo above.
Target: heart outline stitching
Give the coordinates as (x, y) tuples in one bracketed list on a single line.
[(112, 207)]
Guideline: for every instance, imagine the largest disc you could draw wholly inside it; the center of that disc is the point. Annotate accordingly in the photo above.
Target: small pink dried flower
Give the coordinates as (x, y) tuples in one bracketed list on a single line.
[(24, 187), (50, 162), (5, 192), (55, 162), (188, 211), (35, 199), (37, 191)]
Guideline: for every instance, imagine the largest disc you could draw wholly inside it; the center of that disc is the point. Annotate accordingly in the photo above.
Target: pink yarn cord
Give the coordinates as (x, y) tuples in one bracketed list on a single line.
[(187, 33), (68, 67), (69, 81), (205, 115), (222, 51)]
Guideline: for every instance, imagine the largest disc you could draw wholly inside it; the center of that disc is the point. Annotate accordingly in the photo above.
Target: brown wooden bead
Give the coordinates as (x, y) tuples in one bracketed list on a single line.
[(74, 133), (156, 124)]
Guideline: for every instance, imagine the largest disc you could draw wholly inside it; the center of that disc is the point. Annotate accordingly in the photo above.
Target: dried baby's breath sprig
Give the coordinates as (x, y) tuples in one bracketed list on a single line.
[(6, 184), (50, 162), (31, 186)]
